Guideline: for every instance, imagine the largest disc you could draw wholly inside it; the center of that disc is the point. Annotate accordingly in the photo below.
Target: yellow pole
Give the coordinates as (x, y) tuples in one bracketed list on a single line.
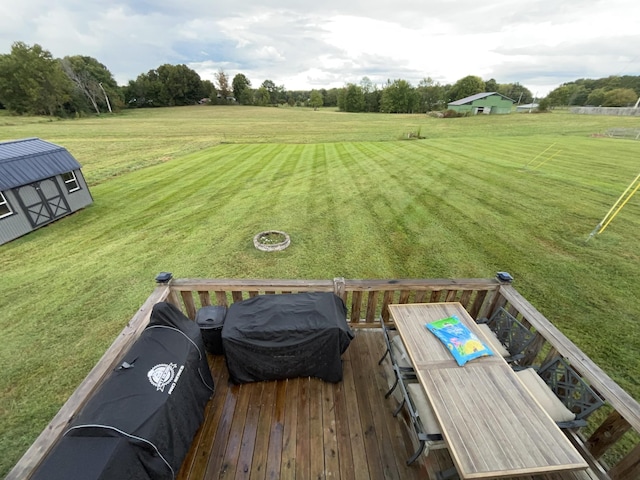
[(541, 153), (545, 161), (618, 201), (619, 208), (599, 227)]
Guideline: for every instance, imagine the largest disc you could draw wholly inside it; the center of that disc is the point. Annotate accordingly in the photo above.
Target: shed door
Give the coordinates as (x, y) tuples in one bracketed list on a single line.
[(43, 202)]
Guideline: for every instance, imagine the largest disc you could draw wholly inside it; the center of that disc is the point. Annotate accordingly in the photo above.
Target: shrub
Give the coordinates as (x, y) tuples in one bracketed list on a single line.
[(450, 114), (454, 114)]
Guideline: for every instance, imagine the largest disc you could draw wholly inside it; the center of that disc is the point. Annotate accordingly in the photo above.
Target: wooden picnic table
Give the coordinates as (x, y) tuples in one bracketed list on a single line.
[(491, 424)]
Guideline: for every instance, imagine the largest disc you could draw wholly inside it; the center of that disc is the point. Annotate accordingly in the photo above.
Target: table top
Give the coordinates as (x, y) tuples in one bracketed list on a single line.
[(490, 422)]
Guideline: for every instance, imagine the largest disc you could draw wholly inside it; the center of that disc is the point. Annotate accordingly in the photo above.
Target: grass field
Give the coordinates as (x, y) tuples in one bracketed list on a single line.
[(185, 190)]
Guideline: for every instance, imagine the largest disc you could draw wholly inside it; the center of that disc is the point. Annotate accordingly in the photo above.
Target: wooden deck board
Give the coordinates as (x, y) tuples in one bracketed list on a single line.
[(304, 428), (289, 442)]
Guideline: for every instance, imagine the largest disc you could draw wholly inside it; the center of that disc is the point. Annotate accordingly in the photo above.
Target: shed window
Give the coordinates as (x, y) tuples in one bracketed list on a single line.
[(70, 181), (5, 208)]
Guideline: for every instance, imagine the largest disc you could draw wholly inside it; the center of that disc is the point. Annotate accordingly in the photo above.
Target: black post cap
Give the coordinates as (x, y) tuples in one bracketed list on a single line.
[(164, 277), (504, 277)]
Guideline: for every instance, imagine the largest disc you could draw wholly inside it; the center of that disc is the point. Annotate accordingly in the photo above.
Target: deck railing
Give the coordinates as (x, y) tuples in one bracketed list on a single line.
[(610, 443)]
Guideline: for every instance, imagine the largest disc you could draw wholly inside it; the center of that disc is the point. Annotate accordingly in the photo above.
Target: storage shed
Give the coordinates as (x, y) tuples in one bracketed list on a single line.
[(40, 182), (486, 102)]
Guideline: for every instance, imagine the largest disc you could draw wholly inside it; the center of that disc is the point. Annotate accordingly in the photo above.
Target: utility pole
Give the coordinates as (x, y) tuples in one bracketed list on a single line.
[(105, 97)]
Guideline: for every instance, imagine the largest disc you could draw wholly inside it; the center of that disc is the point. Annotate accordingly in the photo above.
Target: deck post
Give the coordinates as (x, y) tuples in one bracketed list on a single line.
[(340, 288)]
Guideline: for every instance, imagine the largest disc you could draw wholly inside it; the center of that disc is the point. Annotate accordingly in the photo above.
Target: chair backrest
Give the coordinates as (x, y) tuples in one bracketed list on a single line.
[(511, 333), (570, 387)]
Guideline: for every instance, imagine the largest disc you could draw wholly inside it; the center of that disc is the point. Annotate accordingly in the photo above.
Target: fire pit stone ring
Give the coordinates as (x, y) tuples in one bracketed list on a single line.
[(271, 240)]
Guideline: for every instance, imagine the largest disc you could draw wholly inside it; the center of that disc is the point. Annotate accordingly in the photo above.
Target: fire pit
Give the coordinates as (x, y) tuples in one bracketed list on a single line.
[(271, 240)]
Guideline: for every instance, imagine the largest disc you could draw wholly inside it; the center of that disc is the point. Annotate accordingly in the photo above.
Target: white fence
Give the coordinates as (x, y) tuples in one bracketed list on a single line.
[(623, 111)]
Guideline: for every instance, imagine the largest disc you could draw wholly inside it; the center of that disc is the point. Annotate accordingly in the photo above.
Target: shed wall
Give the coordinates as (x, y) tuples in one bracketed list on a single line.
[(18, 224), (460, 108), (15, 225), (80, 198)]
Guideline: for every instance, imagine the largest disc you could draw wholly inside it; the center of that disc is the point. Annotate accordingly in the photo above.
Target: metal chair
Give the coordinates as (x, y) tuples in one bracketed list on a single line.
[(512, 336), (420, 413), (397, 353), (562, 392), (421, 416)]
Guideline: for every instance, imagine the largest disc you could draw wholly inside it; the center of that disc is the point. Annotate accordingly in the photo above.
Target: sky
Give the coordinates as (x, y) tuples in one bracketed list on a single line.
[(325, 44)]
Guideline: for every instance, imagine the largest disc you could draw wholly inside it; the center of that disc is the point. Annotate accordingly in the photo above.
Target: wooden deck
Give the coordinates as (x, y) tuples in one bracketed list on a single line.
[(305, 428)]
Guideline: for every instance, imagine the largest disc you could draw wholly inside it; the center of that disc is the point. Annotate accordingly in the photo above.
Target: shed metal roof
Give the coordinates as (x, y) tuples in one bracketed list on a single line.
[(31, 159), (477, 96)]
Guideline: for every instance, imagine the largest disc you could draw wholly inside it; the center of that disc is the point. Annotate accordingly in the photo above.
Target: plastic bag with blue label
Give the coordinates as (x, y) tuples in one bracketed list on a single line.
[(463, 344)]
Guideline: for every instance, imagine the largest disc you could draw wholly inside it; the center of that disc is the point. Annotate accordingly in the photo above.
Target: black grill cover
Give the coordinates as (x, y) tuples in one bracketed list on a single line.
[(141, 421), (271, 337)]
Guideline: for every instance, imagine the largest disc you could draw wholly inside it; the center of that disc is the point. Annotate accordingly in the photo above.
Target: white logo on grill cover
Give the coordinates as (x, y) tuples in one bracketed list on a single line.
[(161, 375)]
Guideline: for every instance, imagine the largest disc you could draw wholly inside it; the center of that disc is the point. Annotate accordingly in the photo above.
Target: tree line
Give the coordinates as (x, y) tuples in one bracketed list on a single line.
[(33, 82), (612, 91)]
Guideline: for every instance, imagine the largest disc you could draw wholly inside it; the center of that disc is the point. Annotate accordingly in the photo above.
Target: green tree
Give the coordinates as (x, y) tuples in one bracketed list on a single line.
[(33, 82), (330, 96), (208, 89), (223, 87), (465, 87), (516, 92), (316, 99), (270, 87), (262, 97), (620, 97), (579, 95), (491, 85), (242, 89), (179, 85), (351, 99), (596, 97), (144, 91), (559, 96), (544, 105), (398, 97), (94, 82), (431, 95), (371, 95), (166, 86), (632, 82)]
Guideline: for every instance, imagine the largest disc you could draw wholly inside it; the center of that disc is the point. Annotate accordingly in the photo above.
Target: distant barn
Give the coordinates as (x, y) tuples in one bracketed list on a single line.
[(39, 183), (486, 102)]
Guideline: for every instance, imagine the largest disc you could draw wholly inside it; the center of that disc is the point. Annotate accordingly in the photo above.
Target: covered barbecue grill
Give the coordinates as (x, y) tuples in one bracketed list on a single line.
[(141, 421), (271, 337)]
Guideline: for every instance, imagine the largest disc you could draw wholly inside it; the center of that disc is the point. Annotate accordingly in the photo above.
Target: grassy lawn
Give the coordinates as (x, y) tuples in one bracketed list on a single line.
[(185, 190)]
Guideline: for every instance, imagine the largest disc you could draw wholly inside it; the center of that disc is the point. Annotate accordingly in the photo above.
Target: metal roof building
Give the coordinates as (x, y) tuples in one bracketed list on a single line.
[(485, 102), (39, 183)]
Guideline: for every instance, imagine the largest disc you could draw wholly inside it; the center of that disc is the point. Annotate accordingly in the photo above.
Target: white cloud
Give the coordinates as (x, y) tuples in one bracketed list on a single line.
[(538, 43)]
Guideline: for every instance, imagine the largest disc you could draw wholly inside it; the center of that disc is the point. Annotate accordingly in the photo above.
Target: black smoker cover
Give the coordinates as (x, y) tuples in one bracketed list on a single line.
[(271, 337), (141, 421)]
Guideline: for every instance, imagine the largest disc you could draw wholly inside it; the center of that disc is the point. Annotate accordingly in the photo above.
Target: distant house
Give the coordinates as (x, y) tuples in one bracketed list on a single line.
[(228, 98), (486, 102), (39, 182), (527, 107)]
